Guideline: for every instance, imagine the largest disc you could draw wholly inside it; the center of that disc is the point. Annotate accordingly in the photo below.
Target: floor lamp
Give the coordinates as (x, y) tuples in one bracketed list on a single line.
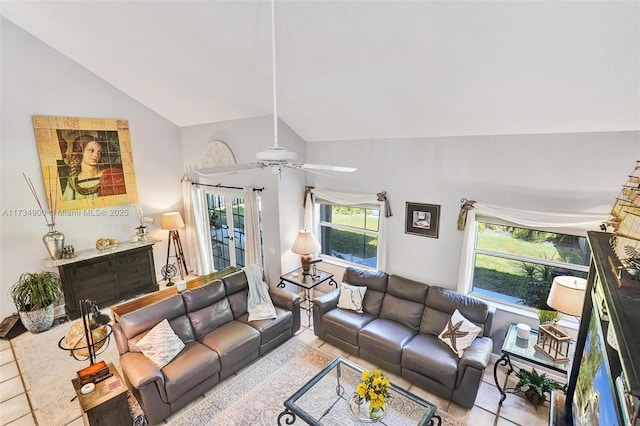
[(171, 222)]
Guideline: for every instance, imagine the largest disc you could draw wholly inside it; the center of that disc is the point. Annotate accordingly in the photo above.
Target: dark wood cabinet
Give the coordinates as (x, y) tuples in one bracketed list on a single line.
[(107, 277)]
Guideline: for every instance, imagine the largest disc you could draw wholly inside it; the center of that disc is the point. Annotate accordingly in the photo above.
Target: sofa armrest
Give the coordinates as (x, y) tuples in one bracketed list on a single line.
[(327, 301), (284, 299), (477, 355), (488, 324), (321, 305), (287, 300), (139, 370), (121, 340)]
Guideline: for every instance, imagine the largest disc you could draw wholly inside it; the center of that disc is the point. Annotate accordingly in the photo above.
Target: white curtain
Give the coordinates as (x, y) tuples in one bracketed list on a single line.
[(198, 234), (253, 250), (583, 221), (379, 200)]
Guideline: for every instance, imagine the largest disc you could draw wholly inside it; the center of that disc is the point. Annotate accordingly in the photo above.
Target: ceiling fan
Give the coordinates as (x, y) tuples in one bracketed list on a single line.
[(275, 157)]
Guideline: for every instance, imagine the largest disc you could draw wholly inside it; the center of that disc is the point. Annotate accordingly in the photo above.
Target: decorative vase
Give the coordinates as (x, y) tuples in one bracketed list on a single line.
[(54, 242), (362, 410), (39, 320)]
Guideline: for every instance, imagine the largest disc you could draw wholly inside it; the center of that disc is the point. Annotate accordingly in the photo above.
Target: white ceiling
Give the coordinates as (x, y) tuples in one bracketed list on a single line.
[(362, 69)]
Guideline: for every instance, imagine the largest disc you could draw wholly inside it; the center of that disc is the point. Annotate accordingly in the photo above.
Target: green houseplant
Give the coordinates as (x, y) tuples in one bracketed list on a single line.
[(537, 385), (34, 295)]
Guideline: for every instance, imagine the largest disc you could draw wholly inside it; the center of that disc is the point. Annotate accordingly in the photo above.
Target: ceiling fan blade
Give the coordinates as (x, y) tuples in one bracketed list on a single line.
[(299, 166), (328, 168), (221, 170)]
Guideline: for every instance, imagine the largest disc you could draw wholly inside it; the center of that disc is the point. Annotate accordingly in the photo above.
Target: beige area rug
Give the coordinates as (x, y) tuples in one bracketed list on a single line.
[(48, 370), (254, 396)]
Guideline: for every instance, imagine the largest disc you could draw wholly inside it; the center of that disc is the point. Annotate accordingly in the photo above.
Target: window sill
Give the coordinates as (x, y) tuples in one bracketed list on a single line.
[(343, 263)]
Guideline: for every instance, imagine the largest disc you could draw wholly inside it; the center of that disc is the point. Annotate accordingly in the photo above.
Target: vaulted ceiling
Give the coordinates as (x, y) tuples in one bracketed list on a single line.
[(362, 69)]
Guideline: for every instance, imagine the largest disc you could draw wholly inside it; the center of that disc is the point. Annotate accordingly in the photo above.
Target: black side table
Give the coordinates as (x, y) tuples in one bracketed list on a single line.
[(307, 282), (524, 350)]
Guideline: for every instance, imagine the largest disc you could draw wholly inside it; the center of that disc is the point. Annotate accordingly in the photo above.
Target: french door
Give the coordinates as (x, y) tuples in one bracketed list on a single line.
[(226, 222)]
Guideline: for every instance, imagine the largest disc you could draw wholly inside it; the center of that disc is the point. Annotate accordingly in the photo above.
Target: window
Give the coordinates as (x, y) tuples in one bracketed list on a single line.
[(517, 265), (226, 212), (350, 233)]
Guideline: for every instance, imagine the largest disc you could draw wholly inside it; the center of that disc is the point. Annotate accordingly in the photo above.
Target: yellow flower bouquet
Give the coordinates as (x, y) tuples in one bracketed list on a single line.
[(373, 388)]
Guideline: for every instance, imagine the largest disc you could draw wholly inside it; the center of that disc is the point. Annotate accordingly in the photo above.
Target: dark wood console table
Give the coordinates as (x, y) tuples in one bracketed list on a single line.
[(119, 310), (106, 276)]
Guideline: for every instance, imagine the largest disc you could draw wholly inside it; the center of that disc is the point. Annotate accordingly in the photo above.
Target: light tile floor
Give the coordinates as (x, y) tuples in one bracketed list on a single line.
[(16, 410)]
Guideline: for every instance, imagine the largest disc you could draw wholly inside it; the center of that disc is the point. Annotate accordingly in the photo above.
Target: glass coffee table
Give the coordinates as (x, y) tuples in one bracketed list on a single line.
[(324, 401)]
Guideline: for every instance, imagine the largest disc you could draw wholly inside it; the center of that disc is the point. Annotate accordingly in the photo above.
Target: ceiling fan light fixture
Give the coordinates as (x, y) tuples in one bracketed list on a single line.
[(276, 153)]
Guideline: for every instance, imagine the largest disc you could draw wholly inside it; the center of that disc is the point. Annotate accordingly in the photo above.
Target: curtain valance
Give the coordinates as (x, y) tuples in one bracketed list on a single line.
[(528, 218)]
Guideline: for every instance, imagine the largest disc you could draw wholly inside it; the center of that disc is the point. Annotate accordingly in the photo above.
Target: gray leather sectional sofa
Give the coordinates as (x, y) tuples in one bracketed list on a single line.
[(212, 321), (398, 331)]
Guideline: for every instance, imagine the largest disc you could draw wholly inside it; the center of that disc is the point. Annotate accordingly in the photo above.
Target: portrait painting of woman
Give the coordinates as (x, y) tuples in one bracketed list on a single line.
[(86, 162), (88, 175)]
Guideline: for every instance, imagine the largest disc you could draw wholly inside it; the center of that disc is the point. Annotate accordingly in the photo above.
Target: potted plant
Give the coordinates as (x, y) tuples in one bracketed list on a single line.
[(34, 295), (537, 385)]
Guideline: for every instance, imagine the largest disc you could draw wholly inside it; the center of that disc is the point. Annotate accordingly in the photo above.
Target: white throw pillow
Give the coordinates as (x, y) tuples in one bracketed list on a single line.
[(351, 297), (459, 333), (161, 344)]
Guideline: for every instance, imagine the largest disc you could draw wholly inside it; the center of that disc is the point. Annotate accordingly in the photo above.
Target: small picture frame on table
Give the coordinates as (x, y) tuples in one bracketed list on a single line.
[(422, 219)]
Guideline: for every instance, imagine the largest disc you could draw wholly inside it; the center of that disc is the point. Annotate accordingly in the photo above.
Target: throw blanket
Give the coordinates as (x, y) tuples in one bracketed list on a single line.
[(259, 304)]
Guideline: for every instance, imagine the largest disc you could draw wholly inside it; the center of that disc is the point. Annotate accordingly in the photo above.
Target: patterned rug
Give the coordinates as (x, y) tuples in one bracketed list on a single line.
[(256, 394), (253, 396)]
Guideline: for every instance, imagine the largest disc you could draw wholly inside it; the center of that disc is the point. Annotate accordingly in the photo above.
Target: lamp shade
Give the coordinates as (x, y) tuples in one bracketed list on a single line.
[(305, 243), (567, 295), (171, 220)]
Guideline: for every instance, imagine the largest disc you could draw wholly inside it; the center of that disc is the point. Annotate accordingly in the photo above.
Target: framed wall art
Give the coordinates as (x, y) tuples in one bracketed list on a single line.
[(86, 162), (422, 219)]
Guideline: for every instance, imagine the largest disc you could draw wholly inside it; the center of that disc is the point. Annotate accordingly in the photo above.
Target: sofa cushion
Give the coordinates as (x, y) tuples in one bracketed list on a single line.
[(385, 338), (142, 320), (161, 344), (345, 324), (204, 295), (237, 291), (402, 311), (442, 302), (407, 289), (351, 297), (194, 365), (210, 317), (459, 333), (376, 283), (270, 328), (234, 341), (427, 355)]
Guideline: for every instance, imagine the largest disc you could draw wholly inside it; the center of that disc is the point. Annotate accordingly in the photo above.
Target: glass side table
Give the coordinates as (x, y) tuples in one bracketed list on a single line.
[(307, 282), (523, 349)]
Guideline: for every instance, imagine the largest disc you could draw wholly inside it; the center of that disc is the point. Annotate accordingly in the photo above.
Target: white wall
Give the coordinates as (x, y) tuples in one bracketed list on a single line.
[(282, 194), (564, 172), (37, 80)]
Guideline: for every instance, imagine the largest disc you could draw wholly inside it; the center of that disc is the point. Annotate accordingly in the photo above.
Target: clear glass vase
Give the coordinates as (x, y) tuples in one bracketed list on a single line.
[(54, 242), (362, 410)]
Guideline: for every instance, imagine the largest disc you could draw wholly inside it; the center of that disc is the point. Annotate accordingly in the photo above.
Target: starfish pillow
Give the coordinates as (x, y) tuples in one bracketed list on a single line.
[(459, 333)]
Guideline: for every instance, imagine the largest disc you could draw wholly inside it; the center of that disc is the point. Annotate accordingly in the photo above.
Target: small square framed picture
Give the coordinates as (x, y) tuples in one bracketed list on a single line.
[(422, 219)]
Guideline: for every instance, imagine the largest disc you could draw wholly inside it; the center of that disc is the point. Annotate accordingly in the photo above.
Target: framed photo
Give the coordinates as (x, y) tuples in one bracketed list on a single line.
[(422, 219), (86, 162)]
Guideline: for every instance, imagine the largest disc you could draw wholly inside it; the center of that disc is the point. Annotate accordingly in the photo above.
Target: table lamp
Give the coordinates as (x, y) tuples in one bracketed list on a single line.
[(94, 323), (567, 295), (171, 222), (305, 245)]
